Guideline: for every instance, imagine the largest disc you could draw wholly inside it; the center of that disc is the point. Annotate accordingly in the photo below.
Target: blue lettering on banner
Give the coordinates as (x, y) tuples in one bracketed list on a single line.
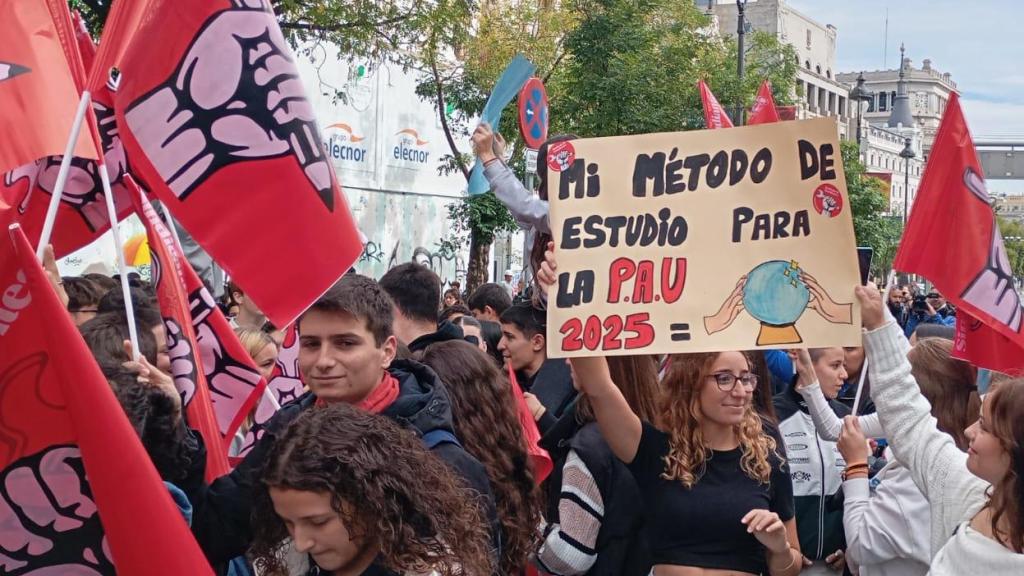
[(402, 152), (339, 150)]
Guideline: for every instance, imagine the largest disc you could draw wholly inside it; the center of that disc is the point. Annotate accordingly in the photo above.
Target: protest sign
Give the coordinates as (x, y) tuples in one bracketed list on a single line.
[(702, 241)]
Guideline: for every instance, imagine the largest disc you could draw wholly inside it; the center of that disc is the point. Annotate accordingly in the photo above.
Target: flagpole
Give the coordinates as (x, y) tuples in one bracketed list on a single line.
[(863, 369), (62, 175), (129, 306)]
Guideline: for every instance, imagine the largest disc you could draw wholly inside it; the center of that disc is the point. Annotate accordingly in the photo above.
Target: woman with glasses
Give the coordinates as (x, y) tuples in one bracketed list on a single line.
[(718, 498)]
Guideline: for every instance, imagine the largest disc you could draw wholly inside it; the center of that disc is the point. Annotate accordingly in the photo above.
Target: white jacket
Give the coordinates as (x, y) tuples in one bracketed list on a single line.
[(886, 520), (937, 466)]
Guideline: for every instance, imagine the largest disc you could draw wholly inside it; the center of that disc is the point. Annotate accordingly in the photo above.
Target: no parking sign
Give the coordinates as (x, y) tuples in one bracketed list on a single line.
[(533, 113)]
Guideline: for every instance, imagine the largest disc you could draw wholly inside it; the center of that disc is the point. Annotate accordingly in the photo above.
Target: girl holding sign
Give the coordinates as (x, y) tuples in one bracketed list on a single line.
[(718, 497)]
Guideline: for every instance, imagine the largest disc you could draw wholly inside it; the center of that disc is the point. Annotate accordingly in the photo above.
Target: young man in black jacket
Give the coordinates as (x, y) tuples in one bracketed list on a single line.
[(346, 354), (416, 293)]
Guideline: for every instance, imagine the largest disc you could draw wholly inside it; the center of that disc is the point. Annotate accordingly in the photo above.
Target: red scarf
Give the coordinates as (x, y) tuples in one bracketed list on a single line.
[(379, 398)]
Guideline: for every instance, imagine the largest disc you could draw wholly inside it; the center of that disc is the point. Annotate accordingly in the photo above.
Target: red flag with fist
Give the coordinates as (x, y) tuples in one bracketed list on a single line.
[(189, 378), (78, 493), (952, 238), (216, 124)]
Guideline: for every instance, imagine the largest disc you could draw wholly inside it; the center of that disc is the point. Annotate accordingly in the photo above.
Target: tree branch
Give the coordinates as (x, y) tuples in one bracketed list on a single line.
[(344, 25), (444, 120)]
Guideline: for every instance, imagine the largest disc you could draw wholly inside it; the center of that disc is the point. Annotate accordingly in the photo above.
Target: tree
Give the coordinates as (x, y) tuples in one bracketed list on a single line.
[(871, 226), (632, 67), (1013, 238)]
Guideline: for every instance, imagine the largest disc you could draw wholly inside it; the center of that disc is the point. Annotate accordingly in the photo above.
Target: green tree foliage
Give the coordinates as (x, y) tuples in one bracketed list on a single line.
[(632, 68), (1013, 237), (871, 225)]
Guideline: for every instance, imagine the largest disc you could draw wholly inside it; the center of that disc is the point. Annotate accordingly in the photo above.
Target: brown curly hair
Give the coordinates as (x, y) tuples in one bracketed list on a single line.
[(681, 417), (486, 423), (384, 485)]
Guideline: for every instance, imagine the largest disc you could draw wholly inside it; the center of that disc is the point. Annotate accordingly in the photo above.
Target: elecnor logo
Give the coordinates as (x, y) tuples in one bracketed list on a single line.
[(341, 143), (410, 147)]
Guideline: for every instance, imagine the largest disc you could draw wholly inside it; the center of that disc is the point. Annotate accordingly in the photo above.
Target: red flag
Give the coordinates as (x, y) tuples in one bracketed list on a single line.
[(86, 47), (542, 464), (189, 378), (764, 110), (714, 115), (38, 92), (236, 384), (285, 385), (25, 191), (952, 238), (977, 343), (78, 493), (123, 21), (217, 125)]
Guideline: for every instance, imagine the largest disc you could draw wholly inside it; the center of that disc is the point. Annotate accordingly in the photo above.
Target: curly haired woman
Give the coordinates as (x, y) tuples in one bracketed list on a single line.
[(718, 497), (485, 420), (361, 496)]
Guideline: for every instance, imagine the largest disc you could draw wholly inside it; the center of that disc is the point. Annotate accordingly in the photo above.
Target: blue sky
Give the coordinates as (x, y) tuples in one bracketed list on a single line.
[(979, 42)]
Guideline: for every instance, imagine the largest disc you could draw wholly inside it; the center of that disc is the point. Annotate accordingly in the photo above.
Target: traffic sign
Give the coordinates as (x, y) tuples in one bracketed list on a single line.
[(531, 160), (533, 113)]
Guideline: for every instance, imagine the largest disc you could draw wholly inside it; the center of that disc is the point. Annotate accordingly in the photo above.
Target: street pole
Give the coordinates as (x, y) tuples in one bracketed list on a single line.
[(907, 154), (741, 25)]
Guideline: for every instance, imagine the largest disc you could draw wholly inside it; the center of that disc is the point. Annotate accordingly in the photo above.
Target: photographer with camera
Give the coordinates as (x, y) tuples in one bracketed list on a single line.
[(922, 312)]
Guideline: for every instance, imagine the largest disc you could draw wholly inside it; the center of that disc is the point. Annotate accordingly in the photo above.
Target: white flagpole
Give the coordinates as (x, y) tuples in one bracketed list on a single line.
[(129, 306), (889, 282), (62, 175)]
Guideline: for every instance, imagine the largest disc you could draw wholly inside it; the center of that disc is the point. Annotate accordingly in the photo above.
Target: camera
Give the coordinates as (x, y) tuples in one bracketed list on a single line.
[(920, 303)]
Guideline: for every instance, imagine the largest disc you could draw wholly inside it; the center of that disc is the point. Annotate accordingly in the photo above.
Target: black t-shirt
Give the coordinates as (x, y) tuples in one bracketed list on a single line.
[(701, 526)]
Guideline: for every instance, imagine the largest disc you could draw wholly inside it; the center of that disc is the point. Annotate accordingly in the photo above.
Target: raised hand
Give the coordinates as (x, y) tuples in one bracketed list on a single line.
[(872, 314), (236, 96), (852, 443), (804, 367), (729, 311), (823, 304)]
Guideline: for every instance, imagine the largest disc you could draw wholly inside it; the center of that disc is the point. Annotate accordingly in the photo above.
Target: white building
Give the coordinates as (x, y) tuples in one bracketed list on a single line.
[(927, 88), (881, 147), (821, 93)]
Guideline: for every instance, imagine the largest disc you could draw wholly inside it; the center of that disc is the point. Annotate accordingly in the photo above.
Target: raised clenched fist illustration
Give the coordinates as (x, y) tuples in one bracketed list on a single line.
[(231, 382), (183, 367), (992, 290), (48, 521), (235, 96), (285, 385)]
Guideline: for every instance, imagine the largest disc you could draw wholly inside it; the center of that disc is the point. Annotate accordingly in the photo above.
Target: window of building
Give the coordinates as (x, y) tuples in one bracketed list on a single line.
[(871, 104), (883, 101), (817, 69), (828, 73), (807, 64), (808, 37)]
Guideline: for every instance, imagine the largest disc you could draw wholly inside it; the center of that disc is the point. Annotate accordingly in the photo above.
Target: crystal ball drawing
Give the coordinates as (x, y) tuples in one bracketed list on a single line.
[(775, 294)]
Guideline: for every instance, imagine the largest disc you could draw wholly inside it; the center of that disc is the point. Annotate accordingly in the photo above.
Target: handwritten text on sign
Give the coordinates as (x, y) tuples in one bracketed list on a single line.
[(702, 241)]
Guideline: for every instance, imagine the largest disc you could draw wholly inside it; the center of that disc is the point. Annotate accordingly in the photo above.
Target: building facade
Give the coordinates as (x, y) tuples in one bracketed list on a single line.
[(880, 148), (819, 90), (928, 90)]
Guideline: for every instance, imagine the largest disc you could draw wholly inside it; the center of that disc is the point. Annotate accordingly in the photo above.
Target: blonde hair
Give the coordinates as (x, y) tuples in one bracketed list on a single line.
[(681, 417), (254, 340)]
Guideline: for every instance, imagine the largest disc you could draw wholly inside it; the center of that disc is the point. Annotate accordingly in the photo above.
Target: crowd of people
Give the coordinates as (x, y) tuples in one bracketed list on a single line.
[(407, 454)]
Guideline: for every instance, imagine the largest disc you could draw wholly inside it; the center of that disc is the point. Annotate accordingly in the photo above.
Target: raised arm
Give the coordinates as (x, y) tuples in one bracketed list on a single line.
[(825, 420), (526, 207), (938, 467), (620, 427)]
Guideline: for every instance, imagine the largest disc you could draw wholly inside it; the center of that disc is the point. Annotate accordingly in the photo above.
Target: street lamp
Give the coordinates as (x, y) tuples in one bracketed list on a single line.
[(907, 154), (860, 94), (741, 30)]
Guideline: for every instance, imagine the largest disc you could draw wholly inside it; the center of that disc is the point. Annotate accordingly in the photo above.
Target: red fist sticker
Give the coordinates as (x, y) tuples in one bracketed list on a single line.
[(828, 201), (561, 155)]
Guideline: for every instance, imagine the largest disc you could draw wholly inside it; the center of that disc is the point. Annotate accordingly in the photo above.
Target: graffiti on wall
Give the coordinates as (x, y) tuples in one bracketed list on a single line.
[(404, 228)]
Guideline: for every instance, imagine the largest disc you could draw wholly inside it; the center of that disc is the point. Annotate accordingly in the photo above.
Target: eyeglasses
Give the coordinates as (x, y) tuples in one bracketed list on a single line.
[(727, 381)]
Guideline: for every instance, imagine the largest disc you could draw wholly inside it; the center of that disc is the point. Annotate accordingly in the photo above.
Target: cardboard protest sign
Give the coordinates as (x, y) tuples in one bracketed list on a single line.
[(702, 241)]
